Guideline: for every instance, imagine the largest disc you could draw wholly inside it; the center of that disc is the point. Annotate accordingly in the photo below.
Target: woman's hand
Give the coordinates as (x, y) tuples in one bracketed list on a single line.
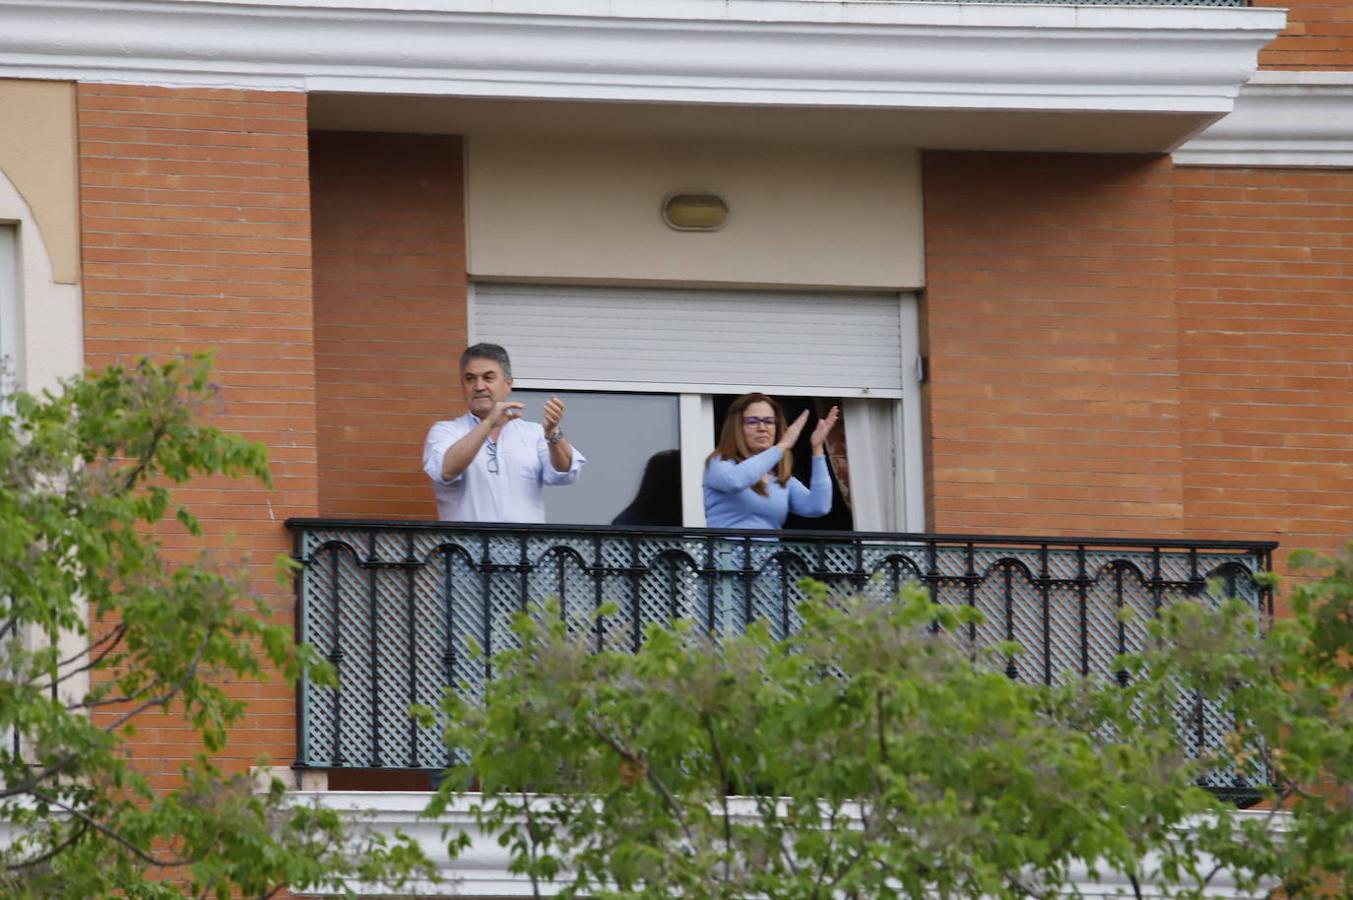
[(824, 427), (791, 435)]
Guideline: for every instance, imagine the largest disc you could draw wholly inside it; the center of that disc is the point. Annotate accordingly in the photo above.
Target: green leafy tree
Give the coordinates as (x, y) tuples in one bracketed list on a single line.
[(870, 756), (99, 630), (1288, 687)]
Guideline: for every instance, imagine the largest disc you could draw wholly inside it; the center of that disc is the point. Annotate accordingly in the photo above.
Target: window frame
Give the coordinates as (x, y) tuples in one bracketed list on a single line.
[(696, 411)]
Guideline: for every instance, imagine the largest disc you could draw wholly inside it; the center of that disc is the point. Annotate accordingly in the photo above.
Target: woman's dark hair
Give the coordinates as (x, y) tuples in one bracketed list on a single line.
[(659, 499)]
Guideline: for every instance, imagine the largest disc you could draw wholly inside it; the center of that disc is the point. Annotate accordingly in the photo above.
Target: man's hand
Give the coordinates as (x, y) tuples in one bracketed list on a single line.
[(504, 411), (552, 414)]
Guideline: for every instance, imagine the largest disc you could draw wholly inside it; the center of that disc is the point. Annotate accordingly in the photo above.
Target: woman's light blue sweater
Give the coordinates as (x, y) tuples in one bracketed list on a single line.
[(730, 501)]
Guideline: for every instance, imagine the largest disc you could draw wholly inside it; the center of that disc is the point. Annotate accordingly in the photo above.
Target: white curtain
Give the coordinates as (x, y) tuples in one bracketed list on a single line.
[(871, 438)]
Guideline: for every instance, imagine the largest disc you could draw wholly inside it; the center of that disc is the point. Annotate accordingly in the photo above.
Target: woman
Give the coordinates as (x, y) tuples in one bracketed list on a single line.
[(747, 478)]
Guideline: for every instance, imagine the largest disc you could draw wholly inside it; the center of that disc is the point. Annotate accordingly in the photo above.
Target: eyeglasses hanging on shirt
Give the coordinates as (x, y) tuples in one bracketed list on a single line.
[(492, 447)]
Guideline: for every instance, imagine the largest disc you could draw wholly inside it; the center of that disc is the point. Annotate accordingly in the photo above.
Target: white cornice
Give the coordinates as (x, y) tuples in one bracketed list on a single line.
[(482, 869), (891, 55), (1282, 119)]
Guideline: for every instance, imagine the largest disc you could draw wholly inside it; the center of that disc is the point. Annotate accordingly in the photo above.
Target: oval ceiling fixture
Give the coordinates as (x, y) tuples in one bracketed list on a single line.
[(694, 212)]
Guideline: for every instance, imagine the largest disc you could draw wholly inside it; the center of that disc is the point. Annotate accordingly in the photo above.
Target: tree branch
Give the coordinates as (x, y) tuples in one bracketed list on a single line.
[(30, 785), (116, 638), (882, 732), (723, 796), (672, 805), (134, 474), (48, 854), (90, 821), (164, 699)]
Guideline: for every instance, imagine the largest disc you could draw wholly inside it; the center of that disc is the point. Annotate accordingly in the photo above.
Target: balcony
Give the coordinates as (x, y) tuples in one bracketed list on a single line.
[(1077, 76), (399, 607)]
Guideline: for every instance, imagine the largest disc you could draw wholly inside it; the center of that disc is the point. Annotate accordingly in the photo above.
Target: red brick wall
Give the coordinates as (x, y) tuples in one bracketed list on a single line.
[(1319, 35), (390, 315), (196, 234), (1265, 277), (1050, 324), (1118, 346)]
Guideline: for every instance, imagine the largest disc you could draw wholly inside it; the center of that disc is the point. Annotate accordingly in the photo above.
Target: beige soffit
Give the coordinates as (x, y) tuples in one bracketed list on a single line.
[(799, 216), (37, 153)]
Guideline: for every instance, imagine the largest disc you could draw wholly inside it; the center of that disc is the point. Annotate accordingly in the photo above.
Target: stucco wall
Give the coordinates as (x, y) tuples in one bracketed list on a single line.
[(558, 209)]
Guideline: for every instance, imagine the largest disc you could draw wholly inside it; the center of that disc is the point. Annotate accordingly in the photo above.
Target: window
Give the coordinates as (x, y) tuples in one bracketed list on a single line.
[(690, 352), (632, 444)]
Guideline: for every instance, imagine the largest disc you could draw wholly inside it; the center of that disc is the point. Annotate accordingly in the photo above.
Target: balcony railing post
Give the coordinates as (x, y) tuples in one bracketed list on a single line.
[(336, 657), (1082, 593), (747, 575), (300, 609), (1045, 595), (1122, 625), (636, 611), (598, 597), (373, 658), (448, 622), (1008, 596), (486, 607)]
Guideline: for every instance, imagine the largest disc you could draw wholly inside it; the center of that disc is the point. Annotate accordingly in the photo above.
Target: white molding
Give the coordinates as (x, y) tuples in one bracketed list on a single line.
[(910, 439), (1281, 119), (923, 55), (696, 413), (49, 327), (481, 871), (681, 387)]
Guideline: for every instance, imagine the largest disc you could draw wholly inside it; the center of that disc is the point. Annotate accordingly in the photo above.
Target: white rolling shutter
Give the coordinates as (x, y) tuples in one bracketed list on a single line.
[(702, 341)]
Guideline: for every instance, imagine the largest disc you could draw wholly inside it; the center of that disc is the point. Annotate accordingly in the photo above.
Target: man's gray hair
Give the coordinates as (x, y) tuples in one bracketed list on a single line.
[(491, 352)]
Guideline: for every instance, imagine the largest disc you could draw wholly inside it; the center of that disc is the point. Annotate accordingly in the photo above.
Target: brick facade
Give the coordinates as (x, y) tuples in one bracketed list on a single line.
[(389, 239), (196, 234), (1265, 273), (1319, 35), (1121, 347), (1117, 346), (1050, 324)]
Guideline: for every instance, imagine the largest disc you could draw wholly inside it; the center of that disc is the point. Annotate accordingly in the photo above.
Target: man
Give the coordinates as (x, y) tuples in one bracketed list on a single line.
[(490, 465)]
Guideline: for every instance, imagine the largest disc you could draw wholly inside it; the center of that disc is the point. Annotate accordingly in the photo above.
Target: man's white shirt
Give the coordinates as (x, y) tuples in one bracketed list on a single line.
[(512, 494)]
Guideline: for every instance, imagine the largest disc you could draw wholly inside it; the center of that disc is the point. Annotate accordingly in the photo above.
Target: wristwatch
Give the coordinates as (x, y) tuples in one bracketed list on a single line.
[(556, 437)]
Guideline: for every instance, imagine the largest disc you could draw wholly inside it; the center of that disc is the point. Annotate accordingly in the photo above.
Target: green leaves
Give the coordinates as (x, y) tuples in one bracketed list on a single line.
[(98, 629), (870, 756)]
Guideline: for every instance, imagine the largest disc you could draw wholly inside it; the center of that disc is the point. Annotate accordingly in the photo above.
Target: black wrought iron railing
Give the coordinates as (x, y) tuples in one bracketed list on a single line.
[(1123, 2), (399, 607)]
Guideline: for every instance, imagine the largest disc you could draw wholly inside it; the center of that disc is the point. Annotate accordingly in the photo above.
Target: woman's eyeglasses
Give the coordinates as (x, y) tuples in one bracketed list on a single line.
[(753, 421)]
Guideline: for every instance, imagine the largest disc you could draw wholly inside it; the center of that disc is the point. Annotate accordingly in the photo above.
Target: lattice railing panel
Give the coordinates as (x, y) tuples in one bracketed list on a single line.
[(407, 611)]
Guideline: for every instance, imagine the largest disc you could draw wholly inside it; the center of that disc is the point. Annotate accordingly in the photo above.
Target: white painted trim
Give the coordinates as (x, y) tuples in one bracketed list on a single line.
[(482, 870), (650, 387), (697, 443), (50, 324), (1281, 119), (47, 341), (930, 55), (907, 421), (11, 362)]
